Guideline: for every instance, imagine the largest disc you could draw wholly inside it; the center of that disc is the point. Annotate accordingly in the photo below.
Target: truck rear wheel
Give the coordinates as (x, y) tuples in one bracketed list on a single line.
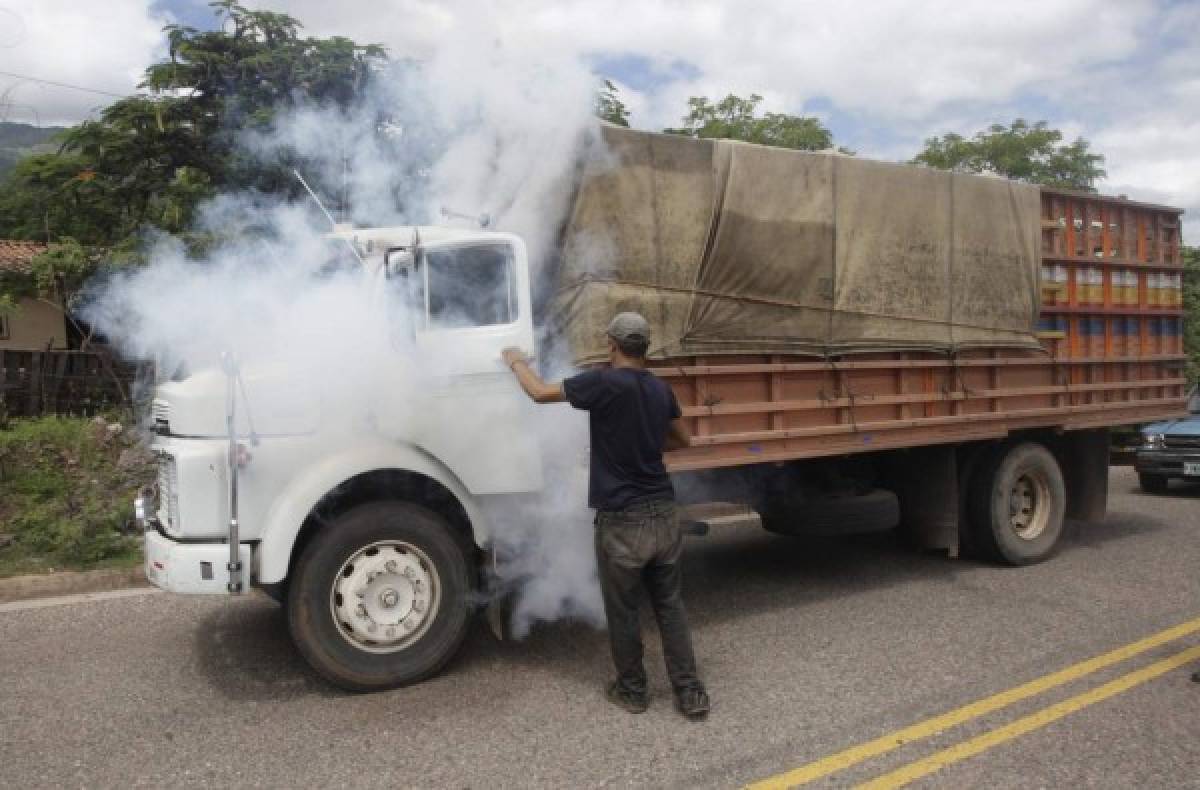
[(380, 598), (1016, 504)]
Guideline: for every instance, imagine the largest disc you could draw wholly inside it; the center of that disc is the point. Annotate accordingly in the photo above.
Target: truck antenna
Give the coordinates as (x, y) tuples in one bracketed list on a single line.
[(317, 200), (328, 216)]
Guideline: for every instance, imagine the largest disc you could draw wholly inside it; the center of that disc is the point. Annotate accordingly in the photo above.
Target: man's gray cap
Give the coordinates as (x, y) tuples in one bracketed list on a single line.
[(629, 327)]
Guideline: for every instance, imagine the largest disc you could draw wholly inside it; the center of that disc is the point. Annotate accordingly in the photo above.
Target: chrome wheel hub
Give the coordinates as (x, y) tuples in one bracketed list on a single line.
[(1028, 506), (385, 596)]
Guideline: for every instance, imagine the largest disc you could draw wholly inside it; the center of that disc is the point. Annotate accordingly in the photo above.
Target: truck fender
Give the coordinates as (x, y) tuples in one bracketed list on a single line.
[(290, 509)]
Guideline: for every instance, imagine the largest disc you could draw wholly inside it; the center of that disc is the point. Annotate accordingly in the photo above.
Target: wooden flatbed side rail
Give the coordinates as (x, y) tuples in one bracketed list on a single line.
[(755, 409), (1164, 404), (676, 371), (848, 441), (932, 397)]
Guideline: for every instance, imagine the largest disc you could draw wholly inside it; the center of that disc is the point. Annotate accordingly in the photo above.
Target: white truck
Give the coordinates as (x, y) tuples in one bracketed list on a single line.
[(368, 527), (877, 354)]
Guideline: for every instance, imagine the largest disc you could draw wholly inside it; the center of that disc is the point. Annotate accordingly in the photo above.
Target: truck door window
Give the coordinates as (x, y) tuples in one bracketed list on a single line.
[(470, 286)]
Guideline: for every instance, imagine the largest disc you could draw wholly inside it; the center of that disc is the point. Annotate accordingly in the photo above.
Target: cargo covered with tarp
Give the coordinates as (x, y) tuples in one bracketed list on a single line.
[(731, 248)]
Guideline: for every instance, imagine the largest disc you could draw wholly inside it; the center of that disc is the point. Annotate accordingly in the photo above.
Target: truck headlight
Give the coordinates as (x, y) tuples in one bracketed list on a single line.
[(168, 492), (1152, 441)]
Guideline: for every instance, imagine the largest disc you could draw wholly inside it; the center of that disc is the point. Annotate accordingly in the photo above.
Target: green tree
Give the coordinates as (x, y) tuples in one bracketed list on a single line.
[(50, 196), (737, 118), (609, 106), (1021, 151), (241, 76), (1191, 306), (150, 160)]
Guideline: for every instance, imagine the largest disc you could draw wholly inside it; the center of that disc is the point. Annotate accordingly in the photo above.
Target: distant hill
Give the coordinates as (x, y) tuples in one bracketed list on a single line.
[(21, 139)]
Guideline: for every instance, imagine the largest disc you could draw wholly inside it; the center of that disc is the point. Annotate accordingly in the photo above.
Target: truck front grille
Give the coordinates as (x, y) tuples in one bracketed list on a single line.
[(1182, 442), (160, 413), (168, 492)]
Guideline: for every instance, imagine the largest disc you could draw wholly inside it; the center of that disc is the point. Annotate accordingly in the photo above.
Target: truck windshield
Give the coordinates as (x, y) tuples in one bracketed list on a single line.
[(470, 286)]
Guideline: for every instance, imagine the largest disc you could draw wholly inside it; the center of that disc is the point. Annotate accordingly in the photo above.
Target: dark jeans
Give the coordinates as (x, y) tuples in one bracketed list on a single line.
[(641, 546)]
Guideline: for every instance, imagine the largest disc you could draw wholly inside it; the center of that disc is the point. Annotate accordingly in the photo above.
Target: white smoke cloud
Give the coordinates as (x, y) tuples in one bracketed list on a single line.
[(478, 127)]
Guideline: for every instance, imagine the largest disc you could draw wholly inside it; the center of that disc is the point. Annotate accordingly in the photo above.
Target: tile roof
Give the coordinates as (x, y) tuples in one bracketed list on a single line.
[(16, 255)]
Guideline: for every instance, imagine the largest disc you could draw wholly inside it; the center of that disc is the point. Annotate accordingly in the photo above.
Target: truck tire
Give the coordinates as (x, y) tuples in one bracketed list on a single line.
[(1016, 504), (381, 597), (877, 510), (1153, 484)]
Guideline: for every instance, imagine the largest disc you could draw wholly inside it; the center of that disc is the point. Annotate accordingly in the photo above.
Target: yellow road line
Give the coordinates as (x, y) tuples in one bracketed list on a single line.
[(969, 748), (894, 740)]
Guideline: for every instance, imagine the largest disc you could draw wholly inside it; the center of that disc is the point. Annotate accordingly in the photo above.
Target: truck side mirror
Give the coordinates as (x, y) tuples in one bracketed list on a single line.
[(398, 262)]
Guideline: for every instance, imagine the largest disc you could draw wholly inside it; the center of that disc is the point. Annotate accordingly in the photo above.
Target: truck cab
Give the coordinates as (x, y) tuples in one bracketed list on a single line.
[(365, 514)]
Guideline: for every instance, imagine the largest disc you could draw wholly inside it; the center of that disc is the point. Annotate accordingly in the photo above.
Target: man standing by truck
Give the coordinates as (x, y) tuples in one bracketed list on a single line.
[(633, 417)]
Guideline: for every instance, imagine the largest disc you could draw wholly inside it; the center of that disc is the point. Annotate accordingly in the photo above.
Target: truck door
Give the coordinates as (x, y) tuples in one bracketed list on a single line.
[(476, 301)]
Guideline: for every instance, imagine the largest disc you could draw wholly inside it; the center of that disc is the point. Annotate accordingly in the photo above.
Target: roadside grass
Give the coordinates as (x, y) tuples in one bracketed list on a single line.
[(66, 494)]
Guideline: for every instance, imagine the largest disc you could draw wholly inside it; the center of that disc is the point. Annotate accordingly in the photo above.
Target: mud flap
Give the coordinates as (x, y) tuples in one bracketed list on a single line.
[(499, 615), (500, 596), (926, 480), (1083, 456)]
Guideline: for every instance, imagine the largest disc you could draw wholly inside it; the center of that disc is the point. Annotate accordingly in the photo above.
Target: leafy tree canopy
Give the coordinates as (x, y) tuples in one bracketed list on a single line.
[(1191, 306), (1021, 151), (151, 159), (737, 118), (609, 106)]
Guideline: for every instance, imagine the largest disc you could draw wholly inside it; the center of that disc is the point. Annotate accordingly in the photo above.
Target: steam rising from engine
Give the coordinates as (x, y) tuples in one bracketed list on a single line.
[(480, 128)]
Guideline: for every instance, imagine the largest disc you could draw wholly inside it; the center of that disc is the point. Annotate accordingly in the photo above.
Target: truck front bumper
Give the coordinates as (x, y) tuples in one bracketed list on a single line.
[(196, 568)]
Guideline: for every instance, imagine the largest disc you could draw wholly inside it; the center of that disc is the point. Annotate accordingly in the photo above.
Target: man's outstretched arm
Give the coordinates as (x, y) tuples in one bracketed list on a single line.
[(677, 436), (540, 391)]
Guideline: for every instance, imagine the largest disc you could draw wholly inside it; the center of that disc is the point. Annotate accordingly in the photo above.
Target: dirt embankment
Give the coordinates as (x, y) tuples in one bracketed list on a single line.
[(66, 491)]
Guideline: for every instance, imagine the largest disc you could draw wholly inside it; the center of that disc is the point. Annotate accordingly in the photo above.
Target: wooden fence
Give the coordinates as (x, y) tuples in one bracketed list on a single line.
[(34, 383)]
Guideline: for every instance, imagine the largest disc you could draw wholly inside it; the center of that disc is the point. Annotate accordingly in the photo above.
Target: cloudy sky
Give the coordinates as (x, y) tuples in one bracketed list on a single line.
[(883, 75)]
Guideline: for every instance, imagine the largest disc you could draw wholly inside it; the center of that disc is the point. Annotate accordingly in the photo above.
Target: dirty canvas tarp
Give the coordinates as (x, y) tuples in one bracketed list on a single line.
[(733, 248)]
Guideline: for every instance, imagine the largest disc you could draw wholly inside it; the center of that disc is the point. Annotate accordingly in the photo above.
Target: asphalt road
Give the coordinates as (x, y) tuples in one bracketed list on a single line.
[(810, 648)]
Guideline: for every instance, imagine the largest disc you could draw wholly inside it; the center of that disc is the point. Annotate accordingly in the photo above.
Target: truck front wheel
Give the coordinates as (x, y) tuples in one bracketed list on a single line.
[(380, 597), (1017, 502)]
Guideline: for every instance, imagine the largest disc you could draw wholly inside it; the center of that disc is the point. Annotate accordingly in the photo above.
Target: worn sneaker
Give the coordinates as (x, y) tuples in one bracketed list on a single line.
[(629, 700), (693, 703)]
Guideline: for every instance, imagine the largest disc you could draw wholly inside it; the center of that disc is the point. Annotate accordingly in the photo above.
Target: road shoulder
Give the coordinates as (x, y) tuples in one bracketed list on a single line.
[(48, 585)]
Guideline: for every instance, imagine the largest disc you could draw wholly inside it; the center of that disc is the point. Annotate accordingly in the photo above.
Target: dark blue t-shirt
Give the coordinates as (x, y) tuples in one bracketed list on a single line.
[(629, 412)]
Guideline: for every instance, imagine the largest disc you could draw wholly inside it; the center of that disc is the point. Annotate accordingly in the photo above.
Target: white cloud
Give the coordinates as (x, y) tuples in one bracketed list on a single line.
[(1156, 157), (1123, 75), (105, 46), (908, 71), (895, 59)]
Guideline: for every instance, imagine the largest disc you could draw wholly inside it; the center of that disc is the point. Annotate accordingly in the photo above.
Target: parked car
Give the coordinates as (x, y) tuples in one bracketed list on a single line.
[(1170, 449)]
